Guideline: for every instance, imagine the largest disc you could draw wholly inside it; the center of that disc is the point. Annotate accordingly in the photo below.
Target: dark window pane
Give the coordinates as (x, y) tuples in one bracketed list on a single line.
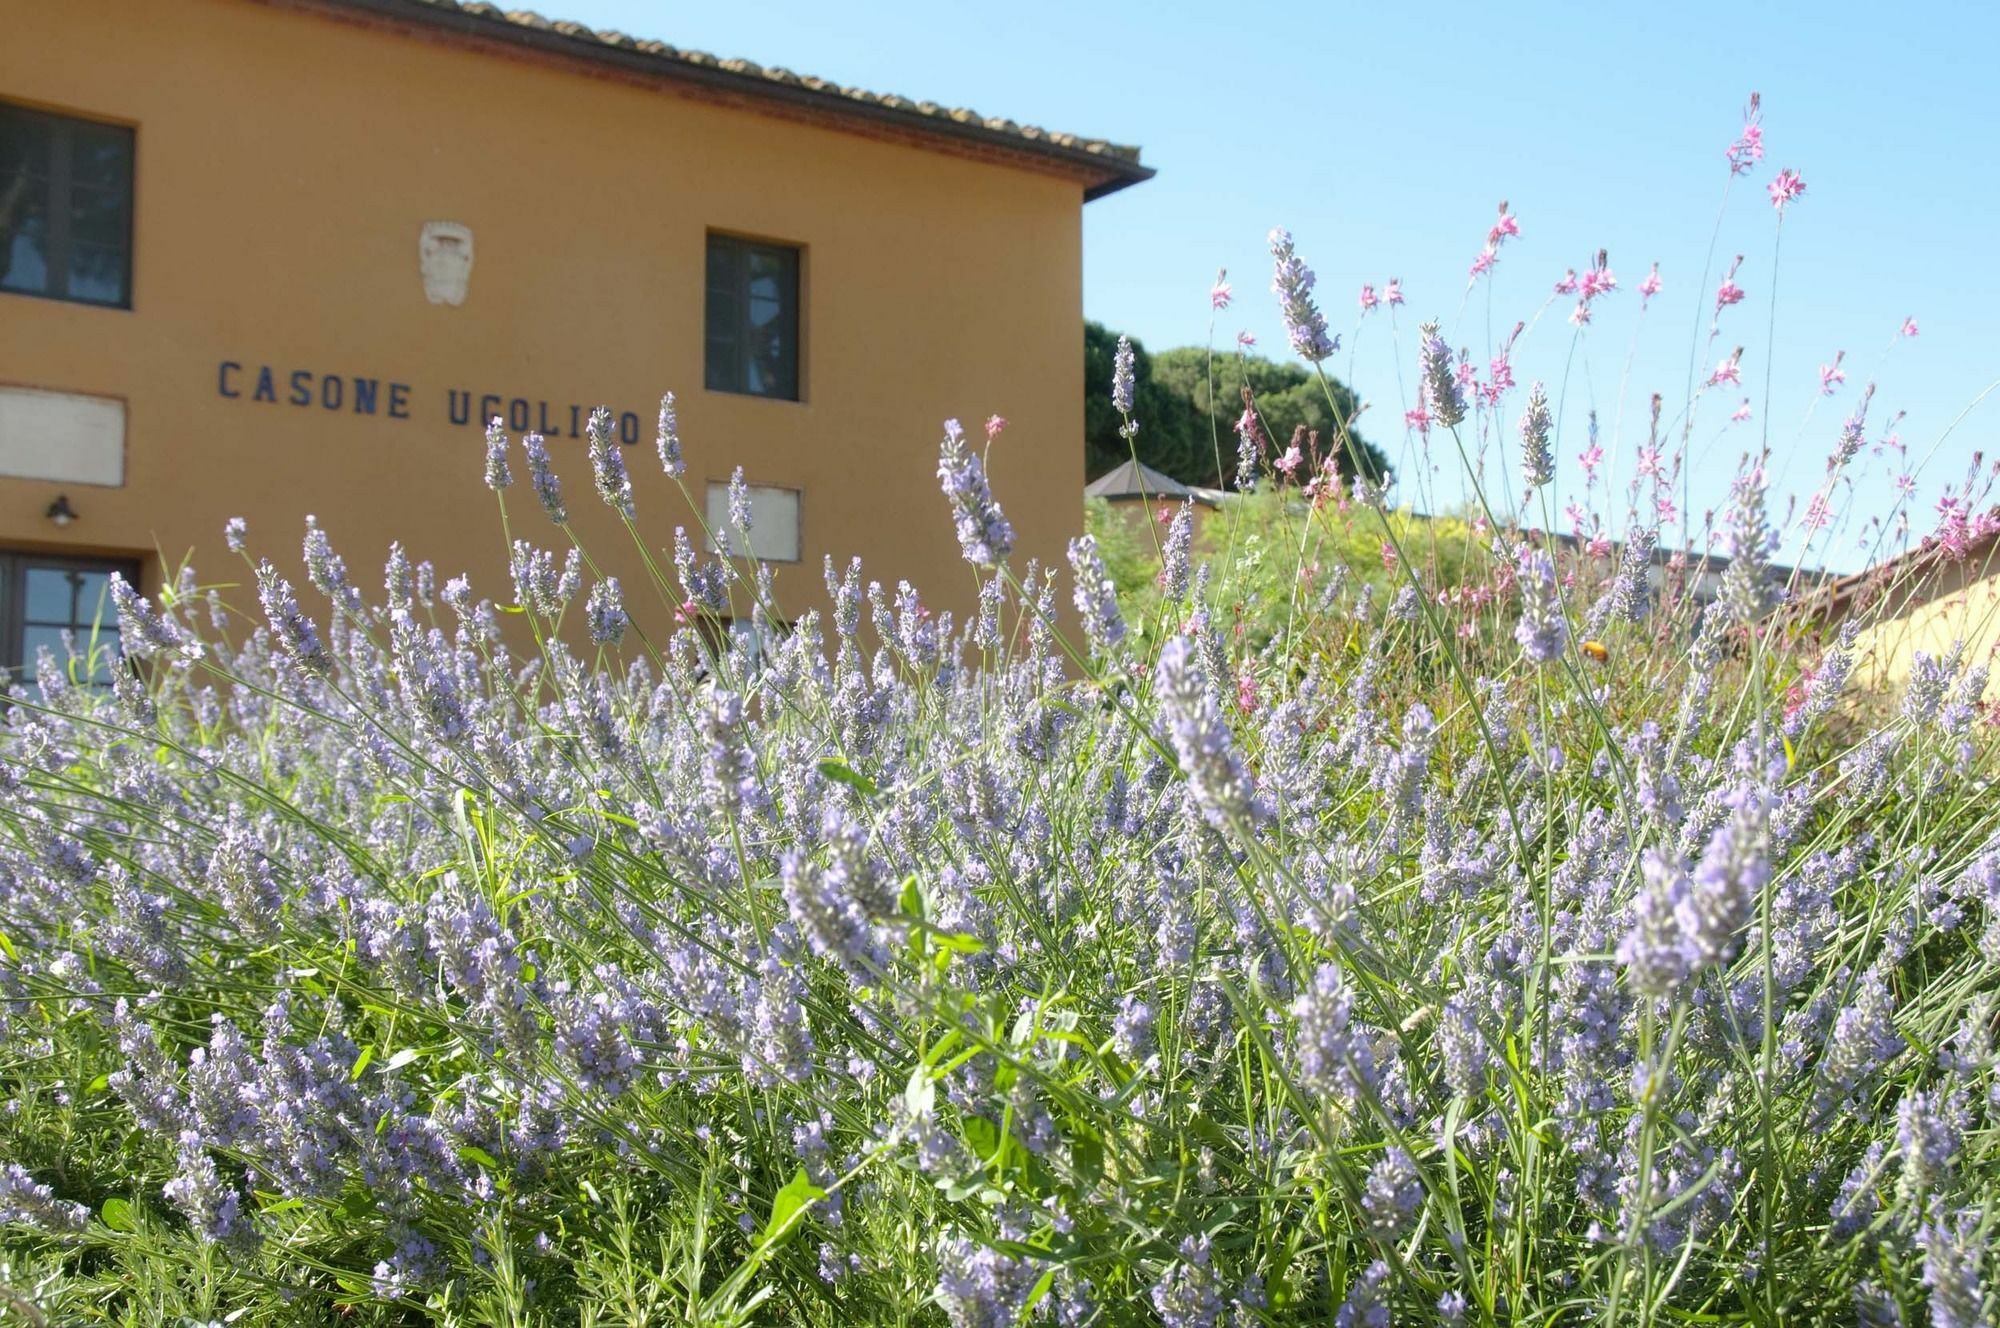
[(65, 207), (41, 598), (51, 595), (752, 341), (22, 266), (32, 641), (93, 600), (97, 274), (101, 157)]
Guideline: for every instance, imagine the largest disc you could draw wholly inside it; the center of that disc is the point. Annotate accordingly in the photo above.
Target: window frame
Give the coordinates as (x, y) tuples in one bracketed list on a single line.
[(733, 376), (57, 257), (15, 565)]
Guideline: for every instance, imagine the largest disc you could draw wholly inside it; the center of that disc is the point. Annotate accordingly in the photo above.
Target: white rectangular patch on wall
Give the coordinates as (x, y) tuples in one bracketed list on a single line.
[(774, 522), (61, 436)]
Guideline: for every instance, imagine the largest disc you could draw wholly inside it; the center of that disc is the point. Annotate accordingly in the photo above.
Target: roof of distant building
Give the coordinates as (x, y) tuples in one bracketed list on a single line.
[(1134, 479), (1916, 576), (1101, 167)]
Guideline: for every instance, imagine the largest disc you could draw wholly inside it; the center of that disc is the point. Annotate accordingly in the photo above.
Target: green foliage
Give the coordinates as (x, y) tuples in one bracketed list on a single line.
[(1187, 401)]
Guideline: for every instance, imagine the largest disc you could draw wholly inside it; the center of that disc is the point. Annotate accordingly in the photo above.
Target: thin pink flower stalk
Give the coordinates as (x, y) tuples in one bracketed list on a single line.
[(1596, 281), (1500, 371), (1369, 300), (1748, 149), (1726, 294), (1220, 293), (1650, 286), (1496, 235), (1786, 187), (1831, 376)]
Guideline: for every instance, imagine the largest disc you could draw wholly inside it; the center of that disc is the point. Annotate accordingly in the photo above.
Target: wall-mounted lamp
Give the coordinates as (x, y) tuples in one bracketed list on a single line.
[(60, 511)]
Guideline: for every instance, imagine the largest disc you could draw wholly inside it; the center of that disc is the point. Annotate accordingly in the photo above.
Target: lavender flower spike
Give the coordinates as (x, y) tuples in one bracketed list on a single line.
[(293, 628), (1122, 364), (671, 460), (1292, 282), (1542, 630), (1202, 741), (607, 463), (543, 478), (498, 476), (1442, 393), (1538, 459), (984, 534), (1096, 596)]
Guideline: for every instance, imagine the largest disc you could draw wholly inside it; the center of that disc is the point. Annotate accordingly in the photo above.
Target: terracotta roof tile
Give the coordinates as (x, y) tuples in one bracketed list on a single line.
[(1120, 164)]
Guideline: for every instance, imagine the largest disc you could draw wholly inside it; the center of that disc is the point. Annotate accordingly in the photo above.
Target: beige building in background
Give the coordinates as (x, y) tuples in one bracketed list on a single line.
[(1924, 601), (266, 259)]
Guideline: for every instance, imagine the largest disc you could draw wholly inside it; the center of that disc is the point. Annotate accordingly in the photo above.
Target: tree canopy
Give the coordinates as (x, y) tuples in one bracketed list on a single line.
[(1187, 423)]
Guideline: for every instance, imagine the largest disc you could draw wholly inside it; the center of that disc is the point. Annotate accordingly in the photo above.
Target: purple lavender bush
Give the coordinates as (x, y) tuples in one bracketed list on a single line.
[(1540, 944)]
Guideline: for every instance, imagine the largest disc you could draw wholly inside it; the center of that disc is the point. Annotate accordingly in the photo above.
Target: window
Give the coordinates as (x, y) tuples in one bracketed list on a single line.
[(65, 207), (753, 318), (42, 596), (774, 523)]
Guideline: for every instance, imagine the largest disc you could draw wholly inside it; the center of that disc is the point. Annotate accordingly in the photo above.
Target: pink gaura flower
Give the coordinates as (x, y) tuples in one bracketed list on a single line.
[(1418, 419), (1649, 462), (1392, 292), (1832, 375), (1742, 412), (1664, 509), (1388, 555), (1592, 457), (1246, 339), (1495, 237), (994, 424), (1909, 327), (1817, 513), (1748, 149), (1246, 692), (1729, 292), (1787, 186), (1368, 299), (1650, 286), (1220, 293), (1729, 370), (1291, 460), (1567, 286), (1906, 484)]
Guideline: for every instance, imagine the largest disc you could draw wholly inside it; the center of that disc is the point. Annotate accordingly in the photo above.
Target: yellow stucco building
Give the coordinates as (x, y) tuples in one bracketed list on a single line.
[(1932, 600), (265, 258)]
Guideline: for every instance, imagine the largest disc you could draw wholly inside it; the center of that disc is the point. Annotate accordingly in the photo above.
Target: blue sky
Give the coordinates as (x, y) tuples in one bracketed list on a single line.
[(1384, 135)]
